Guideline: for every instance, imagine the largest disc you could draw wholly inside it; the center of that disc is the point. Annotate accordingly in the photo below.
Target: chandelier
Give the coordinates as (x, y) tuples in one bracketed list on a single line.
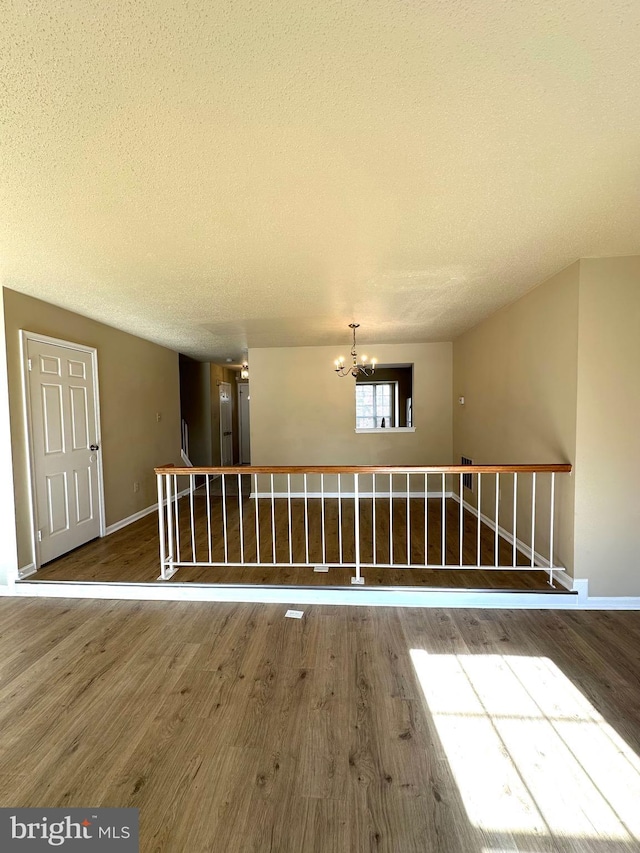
[(355, 369)]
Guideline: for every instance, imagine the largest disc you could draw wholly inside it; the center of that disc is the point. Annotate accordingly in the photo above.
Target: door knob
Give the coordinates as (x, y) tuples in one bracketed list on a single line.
[(94, 447)]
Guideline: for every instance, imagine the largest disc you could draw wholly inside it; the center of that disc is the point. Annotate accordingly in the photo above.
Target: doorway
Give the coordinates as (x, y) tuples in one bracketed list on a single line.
[(226, 424), (62, 421), (243, 423)]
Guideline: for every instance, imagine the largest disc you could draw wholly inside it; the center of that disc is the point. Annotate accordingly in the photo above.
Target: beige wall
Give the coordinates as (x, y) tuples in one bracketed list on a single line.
[(608, 430), (518, 374), (137, 379), (303, 414)]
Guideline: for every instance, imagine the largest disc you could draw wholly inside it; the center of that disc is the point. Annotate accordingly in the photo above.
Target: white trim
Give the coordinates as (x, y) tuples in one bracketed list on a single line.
[(359, 596), (372, 597), (8, 535), (130, 519), (384, 429), (541, 561), (621, 602), (125, 522), (227, 385), (240, 419), (58, 342), (580, 585), (26, 421), (351, 495), (27, 571), (564, 579), (26, 336)]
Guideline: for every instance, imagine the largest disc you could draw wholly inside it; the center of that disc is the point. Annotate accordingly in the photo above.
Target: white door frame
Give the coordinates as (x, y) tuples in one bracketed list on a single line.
[(26, 336), (8, 527), (228, 385), (240, 422)]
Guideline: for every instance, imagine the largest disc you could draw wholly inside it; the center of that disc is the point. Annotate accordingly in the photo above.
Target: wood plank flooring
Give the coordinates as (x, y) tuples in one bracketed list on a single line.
[(233, 728), (131, 554)]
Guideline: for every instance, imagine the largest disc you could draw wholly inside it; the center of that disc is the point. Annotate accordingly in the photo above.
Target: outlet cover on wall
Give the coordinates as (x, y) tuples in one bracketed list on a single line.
[(136, 486)]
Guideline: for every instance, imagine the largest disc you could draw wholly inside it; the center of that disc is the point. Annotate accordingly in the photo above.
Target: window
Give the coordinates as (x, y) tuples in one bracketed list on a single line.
[(385, 395), (375, 404)]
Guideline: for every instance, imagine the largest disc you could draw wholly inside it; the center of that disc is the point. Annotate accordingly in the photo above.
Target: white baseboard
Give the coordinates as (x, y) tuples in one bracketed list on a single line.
[(358, 595), (622, 602), (560, 575), (346, 495), (125, 522), (27, 571), (540, 560), (579, 585), (563, 578), (398, 597), (406, 597)]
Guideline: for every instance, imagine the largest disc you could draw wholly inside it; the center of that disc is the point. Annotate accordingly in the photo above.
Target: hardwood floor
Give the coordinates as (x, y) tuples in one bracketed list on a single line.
[(233, 728), (131, 554)]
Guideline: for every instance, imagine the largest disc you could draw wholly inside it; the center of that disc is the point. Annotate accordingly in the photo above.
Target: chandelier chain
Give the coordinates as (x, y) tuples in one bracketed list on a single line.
[(364, 368)]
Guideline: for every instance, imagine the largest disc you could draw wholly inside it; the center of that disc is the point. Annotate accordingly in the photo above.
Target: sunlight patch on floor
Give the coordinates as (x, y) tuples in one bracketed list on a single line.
[(529, 752)]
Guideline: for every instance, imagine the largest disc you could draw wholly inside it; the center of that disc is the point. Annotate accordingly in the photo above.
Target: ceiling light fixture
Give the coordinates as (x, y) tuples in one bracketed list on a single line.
[(355, 369)]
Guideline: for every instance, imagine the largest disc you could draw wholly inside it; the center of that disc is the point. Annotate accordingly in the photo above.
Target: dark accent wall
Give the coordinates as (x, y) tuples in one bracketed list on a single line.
[(195, 407)]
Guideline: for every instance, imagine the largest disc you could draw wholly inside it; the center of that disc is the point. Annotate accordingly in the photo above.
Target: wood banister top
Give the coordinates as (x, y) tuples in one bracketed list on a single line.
[(553, 468)]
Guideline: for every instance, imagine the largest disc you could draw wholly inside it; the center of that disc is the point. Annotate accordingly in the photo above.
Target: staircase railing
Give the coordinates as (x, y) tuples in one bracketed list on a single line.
[(434, 517)]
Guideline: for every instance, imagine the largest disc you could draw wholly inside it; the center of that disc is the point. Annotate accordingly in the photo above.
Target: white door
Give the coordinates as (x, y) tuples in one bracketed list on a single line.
[(226, 428), (63, 433), (243, 423)]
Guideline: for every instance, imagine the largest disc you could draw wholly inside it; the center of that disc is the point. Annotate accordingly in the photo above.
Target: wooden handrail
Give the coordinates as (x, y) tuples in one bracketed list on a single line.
[(554, 468)]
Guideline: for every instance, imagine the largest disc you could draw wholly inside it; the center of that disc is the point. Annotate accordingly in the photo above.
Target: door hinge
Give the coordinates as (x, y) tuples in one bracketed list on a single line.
[(39, 535), (29, 364)]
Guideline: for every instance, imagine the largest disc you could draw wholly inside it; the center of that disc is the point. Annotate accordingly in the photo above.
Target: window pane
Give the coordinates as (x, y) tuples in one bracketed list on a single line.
[(364, 394), (374, 403), (388, 393)]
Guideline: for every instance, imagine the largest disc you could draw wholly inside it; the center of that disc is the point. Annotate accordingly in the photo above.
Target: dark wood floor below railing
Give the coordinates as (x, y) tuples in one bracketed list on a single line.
[(131, 556)]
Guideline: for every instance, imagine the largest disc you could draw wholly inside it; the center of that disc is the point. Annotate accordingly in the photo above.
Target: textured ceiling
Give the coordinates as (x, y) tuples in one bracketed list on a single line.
[(214, 175)]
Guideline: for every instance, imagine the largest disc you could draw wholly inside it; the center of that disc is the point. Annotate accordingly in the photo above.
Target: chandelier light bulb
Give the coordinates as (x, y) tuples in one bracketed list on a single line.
[(354, 368)]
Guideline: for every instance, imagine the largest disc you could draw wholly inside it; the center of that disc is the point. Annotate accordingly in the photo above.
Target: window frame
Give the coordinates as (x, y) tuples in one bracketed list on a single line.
[(396, 400), (394, 403)]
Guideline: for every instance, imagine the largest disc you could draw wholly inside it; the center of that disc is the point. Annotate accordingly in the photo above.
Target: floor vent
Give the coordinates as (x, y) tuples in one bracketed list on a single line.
[(467, 479)]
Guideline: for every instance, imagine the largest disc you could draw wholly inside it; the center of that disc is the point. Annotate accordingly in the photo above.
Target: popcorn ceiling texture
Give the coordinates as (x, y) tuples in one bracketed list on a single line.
[(217, 175)]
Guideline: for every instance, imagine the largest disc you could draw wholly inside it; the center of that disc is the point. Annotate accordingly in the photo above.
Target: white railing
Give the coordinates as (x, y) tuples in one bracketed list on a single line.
[(360, 517)]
